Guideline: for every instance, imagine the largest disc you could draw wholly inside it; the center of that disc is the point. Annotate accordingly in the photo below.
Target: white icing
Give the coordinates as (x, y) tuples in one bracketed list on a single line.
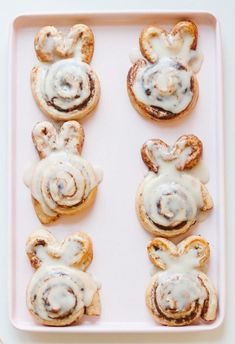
[(178, 47), (195, 61), (99, 174), (163, 85), (58, 291), (178, 284), (57, 255), (61, 180), (178, 291), (172, 197), (135, 55), (200, 171), (78, 51), (168, 165), (178, 263), (49, 45), (65, 84), (28, 172)]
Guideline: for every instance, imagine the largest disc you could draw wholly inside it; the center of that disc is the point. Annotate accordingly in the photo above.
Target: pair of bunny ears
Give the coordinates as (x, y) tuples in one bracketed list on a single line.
[(46, 139), (198, 244), (74, 251), (174, 40), (51, 44), (185, 153)]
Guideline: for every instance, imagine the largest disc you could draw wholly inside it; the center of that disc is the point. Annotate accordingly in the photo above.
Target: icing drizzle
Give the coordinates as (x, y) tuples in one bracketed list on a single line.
[(165, 85)]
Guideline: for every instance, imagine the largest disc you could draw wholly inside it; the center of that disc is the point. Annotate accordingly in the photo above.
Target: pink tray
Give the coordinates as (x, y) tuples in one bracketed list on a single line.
[(114, 135)]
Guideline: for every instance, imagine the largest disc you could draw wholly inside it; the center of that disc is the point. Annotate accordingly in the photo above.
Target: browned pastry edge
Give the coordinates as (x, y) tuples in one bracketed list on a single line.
[(152, 228), (46, 219), (172, 154), (75, 114), (153, 31), (156, 113), (193, 242), (55, 249), (47, 140), (78, 32)]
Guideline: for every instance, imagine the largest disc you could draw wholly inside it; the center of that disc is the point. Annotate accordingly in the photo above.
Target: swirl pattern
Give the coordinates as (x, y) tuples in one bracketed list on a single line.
[(66, 89), (58, 295), (64, 85), (171, 197), (163, 85), (179, 299), (164, 89), (180, 294), (62, 182), (60, 291), (172, 202)]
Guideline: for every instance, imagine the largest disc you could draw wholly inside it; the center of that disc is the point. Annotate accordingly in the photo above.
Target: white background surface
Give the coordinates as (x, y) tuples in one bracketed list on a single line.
[(224, 10)]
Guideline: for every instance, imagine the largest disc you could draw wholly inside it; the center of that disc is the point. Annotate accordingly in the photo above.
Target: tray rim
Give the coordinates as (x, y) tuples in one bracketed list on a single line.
[(117, 327)]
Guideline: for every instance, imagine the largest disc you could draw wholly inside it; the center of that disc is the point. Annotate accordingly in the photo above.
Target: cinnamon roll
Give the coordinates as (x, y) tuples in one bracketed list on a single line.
[(59, 293), (170, 200), (164, 86), (62, 182), (64, 85), (180, 294)]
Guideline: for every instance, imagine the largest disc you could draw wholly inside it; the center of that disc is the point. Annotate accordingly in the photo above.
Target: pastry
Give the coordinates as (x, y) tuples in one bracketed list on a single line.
[(180, 294), (61, 292), (64, 85), (62, 182), (170, 199), (163, 85)]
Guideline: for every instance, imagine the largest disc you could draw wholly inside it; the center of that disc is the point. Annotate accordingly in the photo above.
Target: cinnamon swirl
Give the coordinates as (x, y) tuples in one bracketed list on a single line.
[(59, 293), (164, 86), (64, 85), (62, 182), (170, 200), (180, 294)]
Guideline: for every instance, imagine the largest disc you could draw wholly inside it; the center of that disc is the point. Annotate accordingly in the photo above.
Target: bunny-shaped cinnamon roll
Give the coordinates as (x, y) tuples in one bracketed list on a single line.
[(169, 200), (162, 85), (64, 85), (62, 182), (61, 292), (180, 294)]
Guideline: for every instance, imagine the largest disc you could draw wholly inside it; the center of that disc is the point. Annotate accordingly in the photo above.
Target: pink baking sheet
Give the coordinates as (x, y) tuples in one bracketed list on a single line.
[(114, 136)]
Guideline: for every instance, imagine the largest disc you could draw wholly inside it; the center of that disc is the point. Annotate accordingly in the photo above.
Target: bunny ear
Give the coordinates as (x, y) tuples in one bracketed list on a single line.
[(80, 41), (45, 42), (155, 42), (37, 247), (152, 151), (185, 28), (161, 252), (49, 43), (71, 137), (146, 42), (197, 246), (45, 138), (188, 151), (77, 251)]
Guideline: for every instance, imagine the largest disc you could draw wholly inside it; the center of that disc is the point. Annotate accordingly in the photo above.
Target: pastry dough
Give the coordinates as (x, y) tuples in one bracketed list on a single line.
[(62, 182), (169, 200), (64, 85), (180, 294), (164, 86), (61, 292)]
